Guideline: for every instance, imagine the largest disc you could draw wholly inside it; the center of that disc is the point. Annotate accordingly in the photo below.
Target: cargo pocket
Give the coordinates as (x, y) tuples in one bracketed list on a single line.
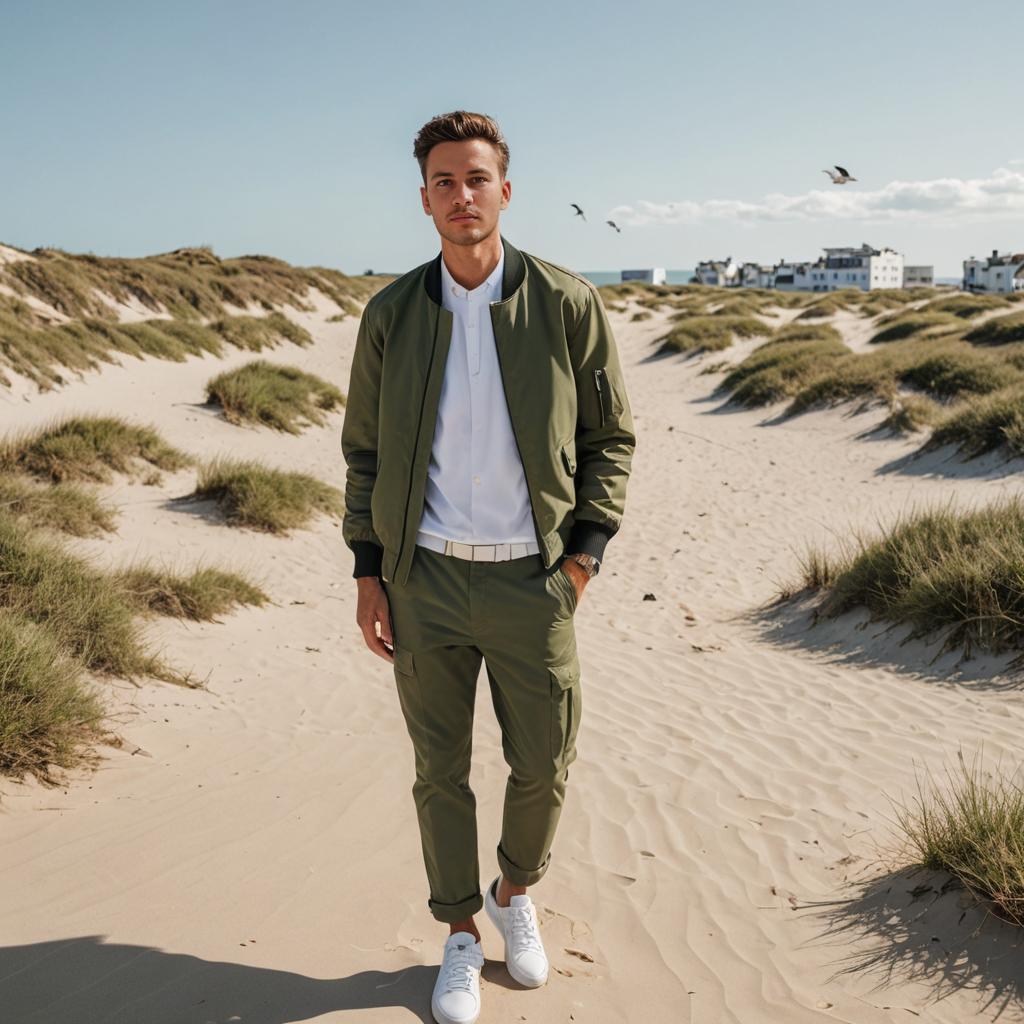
[(566, 706), (404, 661)]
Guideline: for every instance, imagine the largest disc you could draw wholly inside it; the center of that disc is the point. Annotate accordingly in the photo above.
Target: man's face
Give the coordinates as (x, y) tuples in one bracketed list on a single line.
[(464, 191)]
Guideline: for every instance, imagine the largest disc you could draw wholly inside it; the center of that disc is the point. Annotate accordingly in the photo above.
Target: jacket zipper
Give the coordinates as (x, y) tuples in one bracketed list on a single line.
[(598, 374)]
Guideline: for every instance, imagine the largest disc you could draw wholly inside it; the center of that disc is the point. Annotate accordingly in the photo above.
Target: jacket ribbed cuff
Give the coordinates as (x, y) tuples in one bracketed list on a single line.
[(368, 558), (589, 538)]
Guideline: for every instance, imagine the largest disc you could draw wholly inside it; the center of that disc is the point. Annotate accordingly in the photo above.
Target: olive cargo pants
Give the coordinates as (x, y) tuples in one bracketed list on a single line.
[(516, 617)]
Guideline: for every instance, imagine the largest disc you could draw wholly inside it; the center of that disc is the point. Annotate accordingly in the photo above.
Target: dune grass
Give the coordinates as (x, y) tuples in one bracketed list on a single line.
[(188, 283), (989, 423), (909, 413), (81, 607), (283, 397), (61, 617), (973, 828), (201, 595), (965, 304), (937, 570), (64, 507), (899, 326), (38, 350), (47, 710), (1000, 330), (252, 495), (942, 368), (822, 308), (89, 448), (710, 333), (780, 368)]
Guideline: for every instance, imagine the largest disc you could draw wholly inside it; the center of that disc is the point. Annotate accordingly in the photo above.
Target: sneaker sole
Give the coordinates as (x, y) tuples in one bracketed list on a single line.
[(492, 912)]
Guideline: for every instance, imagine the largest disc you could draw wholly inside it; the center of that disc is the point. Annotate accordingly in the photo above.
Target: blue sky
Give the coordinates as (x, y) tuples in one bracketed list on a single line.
[(133, 128)]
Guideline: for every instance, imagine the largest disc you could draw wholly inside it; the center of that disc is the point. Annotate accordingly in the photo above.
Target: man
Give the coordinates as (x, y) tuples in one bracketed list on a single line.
[(488, 439)]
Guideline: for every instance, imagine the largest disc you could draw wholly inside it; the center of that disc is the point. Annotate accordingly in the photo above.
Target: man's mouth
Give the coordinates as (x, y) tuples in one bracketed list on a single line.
[(464, 216)]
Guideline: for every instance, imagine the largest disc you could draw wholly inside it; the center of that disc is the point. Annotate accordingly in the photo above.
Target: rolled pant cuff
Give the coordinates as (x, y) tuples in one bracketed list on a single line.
[(449, 913), (521, 876)]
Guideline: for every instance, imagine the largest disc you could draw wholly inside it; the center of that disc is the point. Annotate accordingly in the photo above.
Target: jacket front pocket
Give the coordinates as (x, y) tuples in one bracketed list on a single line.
[(604, 394)]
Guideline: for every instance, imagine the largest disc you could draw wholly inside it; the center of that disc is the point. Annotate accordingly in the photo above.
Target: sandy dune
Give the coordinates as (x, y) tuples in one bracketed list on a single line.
[(250, 852)]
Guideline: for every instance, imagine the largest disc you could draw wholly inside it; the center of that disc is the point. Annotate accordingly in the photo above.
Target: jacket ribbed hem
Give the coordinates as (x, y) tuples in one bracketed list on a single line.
[(589, 538), (369, 557)]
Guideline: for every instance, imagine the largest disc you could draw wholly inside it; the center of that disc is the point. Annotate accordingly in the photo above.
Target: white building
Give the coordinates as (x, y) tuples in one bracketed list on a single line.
[(719, 273), (793, 277), (997, 273), (865, 268), (918, 277), (654, 275)]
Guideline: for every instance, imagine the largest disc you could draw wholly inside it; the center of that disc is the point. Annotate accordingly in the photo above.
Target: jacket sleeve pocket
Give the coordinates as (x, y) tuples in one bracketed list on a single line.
[(569, 456)]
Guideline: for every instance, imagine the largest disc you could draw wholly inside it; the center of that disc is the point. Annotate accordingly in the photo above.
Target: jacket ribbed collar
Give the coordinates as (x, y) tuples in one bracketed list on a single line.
[(511, 278)]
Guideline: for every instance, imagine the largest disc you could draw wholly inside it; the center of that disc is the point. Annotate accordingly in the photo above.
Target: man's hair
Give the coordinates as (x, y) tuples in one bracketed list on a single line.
[(456, 127)]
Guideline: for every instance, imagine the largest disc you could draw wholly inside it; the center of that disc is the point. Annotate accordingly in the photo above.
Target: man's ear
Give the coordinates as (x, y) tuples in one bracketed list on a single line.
[(425, 201), (506, 193)]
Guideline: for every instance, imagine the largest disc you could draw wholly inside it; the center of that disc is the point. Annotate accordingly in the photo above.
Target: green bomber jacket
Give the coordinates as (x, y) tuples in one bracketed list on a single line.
[(566, 400)]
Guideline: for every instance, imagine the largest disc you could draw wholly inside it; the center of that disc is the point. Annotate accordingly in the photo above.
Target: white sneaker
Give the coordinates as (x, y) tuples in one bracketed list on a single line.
[(524, 952), (456, 998)]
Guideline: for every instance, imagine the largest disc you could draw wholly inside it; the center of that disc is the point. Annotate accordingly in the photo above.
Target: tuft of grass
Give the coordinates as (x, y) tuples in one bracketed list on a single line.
[(188, 283), (909, 413), (898, 326), (944, 368), (972, 828), (283, 397), (81, 608), (88, 448), (641, 314), (965, 305), (255, 333), (710, 333), (823, 308), (250, 494), (203, 594), (780, 368), (64, 507), (46, 709), (1000, 330), (989, 423), (937, 570)]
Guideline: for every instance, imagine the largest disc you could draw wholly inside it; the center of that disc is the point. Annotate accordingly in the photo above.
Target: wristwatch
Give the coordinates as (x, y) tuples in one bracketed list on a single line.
[(589, 563)]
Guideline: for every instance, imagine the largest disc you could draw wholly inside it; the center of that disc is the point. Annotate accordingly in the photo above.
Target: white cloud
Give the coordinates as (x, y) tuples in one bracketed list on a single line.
[(938, 200)]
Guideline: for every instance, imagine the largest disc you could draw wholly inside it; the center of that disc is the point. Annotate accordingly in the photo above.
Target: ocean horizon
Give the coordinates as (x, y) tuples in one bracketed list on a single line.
[(600, 277)]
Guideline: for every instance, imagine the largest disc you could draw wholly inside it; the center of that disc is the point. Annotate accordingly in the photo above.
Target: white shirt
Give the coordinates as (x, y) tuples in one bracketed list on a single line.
[(476, 489)]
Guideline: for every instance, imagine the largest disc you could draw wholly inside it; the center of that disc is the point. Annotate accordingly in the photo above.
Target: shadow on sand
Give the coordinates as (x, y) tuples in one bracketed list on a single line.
[(84, 980)]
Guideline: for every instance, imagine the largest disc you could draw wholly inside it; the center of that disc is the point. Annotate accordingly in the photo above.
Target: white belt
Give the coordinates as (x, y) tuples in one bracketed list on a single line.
[(479, 552)]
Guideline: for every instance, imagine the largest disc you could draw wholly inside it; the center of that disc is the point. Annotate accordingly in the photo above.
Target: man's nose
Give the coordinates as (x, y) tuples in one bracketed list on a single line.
[(464, 194)]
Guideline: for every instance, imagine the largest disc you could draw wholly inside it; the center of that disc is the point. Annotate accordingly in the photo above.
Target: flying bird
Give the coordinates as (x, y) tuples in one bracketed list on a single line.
[(579, 212), (841, 178), (614, 225)]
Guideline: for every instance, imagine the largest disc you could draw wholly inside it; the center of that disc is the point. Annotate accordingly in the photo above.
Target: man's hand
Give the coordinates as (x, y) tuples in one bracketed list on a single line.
[(577, 574), (372, 607)]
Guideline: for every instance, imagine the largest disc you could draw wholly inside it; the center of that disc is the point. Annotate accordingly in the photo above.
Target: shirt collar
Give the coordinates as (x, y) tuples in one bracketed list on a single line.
[(490, 287)]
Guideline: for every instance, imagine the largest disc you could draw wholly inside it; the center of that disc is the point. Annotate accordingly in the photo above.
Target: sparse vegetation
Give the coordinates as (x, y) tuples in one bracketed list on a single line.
[(283, 397), (250, 494), (972, 829), (984, 425), (89, 448), (899, 326), (710, 333), (1000, 330), (64, 507)]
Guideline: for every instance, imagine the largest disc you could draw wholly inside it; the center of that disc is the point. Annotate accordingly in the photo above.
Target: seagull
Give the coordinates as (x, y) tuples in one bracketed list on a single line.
[(841, 178), (614, 225), (579, 212)]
